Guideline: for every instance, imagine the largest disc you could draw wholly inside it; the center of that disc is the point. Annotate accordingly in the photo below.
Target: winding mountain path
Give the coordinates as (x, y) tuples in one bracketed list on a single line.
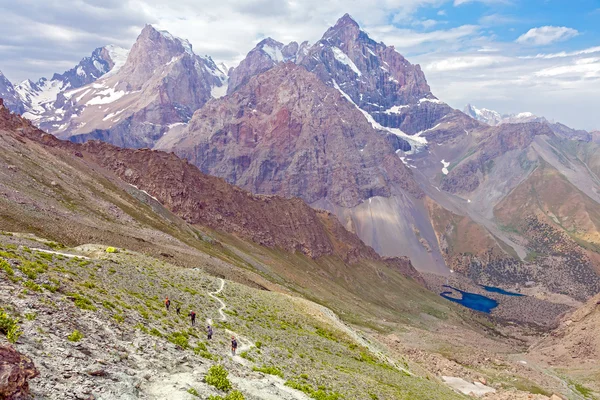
[(61, 254)]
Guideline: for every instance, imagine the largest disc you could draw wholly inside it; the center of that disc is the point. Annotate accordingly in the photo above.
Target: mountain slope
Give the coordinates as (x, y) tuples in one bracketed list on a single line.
[(42, 98), (286, 132), (79, 194), (10, 96), (267, 54)]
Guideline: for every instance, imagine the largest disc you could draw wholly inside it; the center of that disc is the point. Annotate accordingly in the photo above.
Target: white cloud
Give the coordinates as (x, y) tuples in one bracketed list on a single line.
[(497, 19), (563, 54), (407, 39), (461, 2), (465, 62), (546, 35), (426, 23), (586, 68)]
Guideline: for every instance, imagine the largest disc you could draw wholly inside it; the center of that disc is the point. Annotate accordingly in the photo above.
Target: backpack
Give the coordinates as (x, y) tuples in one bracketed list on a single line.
[(234, 343)]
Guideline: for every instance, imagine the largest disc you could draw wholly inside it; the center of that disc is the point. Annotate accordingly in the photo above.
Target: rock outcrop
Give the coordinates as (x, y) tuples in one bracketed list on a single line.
[(16, 370), (285, 132), (267, 54)]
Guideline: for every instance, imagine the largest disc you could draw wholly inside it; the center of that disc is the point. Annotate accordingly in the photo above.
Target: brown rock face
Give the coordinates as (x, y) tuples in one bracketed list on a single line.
[(15, 371), (346, 54), (285, 132), (271, 221), (266, 55), (496, 141)]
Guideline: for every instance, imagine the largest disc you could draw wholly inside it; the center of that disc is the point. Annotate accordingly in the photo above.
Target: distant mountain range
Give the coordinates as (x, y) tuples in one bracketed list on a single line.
[(352, 127)]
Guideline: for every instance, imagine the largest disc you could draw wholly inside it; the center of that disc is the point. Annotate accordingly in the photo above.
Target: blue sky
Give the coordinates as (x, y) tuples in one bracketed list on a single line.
[(541, 56)]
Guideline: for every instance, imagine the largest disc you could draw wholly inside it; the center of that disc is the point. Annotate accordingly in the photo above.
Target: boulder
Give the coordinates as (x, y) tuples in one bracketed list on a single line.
[(15, 371)]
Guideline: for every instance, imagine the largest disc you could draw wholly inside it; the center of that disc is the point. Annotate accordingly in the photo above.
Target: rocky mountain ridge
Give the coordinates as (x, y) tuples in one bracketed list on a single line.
[(270, 221), (10, 96), (40, 98)]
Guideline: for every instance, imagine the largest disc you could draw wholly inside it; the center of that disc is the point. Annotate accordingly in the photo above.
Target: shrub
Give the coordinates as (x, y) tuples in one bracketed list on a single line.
[(120, 318), (156, 332), (7, 268), (33, 286), (83, 302), (32, 269), (179, 339), (30, 316), (217, 377), (50, 288), (258, 345), (76, 336), (45, 256), (111, 250), (271, 370), (247, 356), (193, 392), (9, 326), (200, 347), (235, 395), (141, 327), (320, 394), (205, 354)]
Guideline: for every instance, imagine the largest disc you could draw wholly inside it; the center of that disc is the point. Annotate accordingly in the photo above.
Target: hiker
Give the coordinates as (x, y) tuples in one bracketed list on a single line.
[(178, 309), (233, 345), (167, 303), (209, 332), (192, 316)]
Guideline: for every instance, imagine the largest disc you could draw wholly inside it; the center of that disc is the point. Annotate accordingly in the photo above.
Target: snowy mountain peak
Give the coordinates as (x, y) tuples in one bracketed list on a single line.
[(494, 118)]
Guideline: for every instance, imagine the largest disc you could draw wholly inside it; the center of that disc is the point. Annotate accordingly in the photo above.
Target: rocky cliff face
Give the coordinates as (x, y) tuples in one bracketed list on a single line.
[(288, 133), (10, 96), (267, 54)]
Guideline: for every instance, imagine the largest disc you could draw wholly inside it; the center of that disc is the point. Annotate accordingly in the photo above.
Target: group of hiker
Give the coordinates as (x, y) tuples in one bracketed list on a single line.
[(209, 329)]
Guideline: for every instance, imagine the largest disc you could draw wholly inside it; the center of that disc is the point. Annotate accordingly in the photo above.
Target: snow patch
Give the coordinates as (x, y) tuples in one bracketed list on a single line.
[(143, 191), (416, 141), (218, 91), (344, 59), (445, 168), (80, 71), (395, 109), (425, 100), (98, 66), (106, 97), (187, 47), (118, 55), (273, 52)]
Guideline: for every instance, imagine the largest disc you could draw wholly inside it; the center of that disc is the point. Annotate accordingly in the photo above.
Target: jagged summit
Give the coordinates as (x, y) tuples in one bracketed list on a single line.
[(346, 20), (346, 28)]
